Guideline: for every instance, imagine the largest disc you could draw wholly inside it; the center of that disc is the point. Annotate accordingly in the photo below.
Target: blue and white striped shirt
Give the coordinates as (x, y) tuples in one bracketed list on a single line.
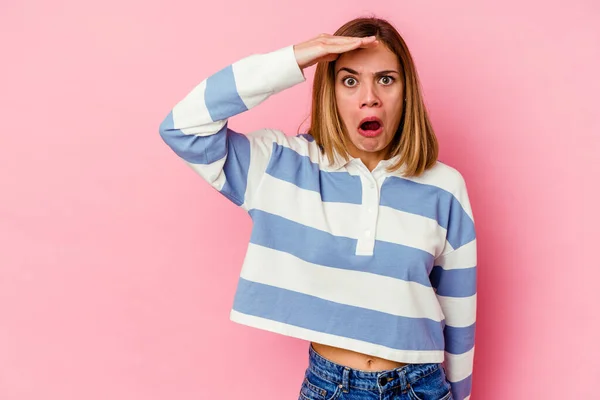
[(369, 261)]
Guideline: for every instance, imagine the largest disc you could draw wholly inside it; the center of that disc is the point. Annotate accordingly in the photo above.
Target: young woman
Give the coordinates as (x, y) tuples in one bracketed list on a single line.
[(363, 243)]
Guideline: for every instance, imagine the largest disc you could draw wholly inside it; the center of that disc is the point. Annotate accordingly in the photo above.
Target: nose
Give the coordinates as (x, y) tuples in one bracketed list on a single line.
[(369, 97)]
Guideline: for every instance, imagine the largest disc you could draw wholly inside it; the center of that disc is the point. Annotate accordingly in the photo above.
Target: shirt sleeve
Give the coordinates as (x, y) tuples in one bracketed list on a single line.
[(196, 129), (454, 276)]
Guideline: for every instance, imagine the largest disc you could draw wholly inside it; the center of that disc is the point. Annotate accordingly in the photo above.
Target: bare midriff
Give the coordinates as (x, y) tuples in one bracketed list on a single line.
[(354, 359)]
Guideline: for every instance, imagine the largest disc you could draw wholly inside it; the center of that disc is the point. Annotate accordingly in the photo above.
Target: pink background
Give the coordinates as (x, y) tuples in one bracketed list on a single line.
[(118, 265)]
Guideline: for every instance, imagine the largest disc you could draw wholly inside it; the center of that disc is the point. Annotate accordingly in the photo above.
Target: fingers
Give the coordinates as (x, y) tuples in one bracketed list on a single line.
[(344, 44), (341, 44), (371, 40), (368, 41), (346, 39)]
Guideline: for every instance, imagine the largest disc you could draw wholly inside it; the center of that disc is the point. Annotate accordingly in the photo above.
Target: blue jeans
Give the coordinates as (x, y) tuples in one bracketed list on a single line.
[(326, 380)]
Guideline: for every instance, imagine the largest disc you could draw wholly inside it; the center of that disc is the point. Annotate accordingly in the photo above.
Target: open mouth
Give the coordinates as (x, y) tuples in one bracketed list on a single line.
[(371, 126)]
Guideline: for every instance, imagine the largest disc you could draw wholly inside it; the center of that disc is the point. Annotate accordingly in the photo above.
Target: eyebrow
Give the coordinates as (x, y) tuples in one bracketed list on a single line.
[(379, 73)]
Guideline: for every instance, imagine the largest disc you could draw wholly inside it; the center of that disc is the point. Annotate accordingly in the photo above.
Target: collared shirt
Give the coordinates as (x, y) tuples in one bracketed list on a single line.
[(370, 261)]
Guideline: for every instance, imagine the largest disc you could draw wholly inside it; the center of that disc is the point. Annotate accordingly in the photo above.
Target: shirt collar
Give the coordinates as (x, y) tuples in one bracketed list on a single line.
[(339, 162)]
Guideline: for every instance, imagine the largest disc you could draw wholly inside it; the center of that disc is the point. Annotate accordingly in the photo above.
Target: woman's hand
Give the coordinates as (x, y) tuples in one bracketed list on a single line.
[(328, 48)]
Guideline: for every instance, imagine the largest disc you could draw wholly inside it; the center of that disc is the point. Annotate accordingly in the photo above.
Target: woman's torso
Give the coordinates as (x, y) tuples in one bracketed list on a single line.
[(354, 359)]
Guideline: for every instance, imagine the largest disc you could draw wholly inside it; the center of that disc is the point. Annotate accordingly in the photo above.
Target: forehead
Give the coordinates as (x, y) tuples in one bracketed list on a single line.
[(370, 59)]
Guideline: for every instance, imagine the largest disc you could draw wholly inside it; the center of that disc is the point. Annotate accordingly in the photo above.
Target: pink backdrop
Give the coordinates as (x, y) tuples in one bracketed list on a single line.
[(118, 265)]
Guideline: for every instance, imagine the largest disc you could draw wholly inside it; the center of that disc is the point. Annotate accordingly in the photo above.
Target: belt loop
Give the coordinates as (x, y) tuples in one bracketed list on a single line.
[(404, 383), (346, 380)]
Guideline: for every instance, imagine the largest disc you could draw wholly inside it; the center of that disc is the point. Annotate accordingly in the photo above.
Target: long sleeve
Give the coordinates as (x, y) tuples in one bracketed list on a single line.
[(455, 278), (196, 129)]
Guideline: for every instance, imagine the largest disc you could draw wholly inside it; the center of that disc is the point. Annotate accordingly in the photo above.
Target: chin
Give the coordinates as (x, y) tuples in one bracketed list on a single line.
[(372, 145), (369, 149)]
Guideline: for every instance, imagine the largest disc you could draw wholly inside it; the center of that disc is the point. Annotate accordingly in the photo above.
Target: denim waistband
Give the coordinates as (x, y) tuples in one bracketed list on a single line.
[(378, 381)]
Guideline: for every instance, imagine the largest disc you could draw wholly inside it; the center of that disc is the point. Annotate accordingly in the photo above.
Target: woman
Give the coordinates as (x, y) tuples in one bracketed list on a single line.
[(362, 243)]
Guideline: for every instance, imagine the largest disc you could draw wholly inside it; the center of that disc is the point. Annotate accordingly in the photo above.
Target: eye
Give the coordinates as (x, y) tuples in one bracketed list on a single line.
[(349, 81), (386, 80)]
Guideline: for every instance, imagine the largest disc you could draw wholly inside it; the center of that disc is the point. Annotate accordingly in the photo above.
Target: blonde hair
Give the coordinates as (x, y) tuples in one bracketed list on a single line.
[(414, 141)]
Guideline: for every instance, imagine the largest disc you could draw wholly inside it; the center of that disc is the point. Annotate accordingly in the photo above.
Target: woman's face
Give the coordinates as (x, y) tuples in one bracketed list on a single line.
[(370, 97)]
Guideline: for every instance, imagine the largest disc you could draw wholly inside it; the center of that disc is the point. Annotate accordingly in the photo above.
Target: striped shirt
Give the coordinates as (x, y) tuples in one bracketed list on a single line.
[(369, 261)]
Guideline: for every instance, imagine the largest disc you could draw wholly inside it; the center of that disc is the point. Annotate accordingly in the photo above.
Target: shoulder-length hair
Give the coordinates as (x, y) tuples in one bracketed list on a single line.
[(414, 142)]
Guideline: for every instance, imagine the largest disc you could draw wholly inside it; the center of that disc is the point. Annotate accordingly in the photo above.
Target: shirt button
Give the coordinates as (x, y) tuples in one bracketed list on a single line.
[(370, 210), (367, 233)]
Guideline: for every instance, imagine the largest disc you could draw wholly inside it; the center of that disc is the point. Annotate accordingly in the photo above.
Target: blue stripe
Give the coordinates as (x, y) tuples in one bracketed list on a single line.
[(431, 202), (323, 248), (310, 312), (306, 136), (221, 96), (454, 282), (236, 167), (459, 340), (192, 148), (461, 389), (288, 165)]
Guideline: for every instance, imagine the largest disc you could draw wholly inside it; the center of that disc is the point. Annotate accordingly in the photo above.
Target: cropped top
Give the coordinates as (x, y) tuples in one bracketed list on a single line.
[(370, 261)]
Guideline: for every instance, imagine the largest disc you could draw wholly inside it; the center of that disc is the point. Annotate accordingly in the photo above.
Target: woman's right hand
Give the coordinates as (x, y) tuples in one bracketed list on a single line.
[(328, 48)]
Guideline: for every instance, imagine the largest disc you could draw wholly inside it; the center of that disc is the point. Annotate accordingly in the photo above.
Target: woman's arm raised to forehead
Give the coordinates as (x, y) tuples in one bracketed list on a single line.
[(196, 129)]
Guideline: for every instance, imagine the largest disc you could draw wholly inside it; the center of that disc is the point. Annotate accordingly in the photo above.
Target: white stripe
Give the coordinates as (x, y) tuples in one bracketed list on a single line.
[(449, 179), (213, 173), (305, 207), (412, 230), (460, 312), (385, 294), (463, 257), (191, 116), (459, 366), (406, 356), (261, 147), (259, 76)]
